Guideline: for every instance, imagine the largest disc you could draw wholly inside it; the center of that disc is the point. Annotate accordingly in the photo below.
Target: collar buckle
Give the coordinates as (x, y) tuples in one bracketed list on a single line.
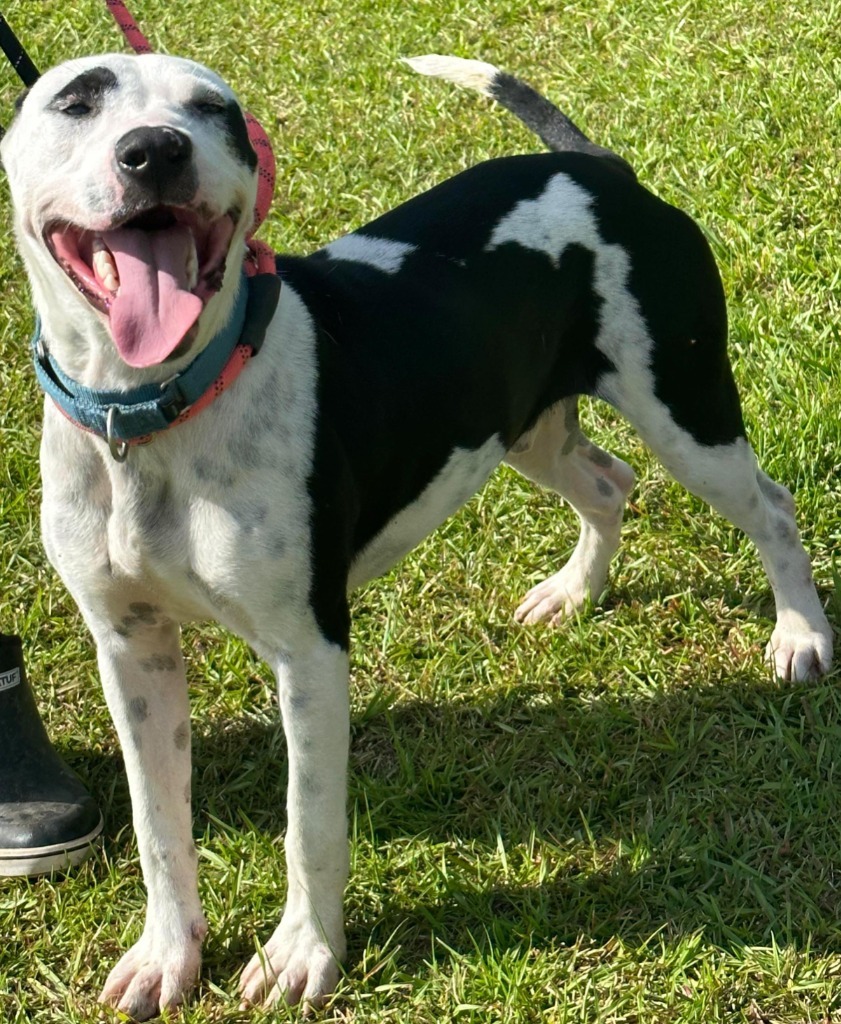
[(173, 401), (118, 449)]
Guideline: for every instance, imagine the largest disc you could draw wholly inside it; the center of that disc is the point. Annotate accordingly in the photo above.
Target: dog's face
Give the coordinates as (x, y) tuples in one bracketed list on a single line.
[(133, 182)]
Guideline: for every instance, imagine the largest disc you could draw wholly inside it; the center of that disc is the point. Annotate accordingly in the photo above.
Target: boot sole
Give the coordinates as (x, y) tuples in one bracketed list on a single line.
[(41, 860)]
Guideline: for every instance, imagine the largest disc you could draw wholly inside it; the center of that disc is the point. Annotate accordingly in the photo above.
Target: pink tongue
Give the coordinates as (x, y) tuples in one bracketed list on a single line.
[(154, 307)]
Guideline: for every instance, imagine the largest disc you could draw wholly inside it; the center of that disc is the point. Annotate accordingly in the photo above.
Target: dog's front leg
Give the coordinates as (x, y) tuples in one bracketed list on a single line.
[(146, 690), (301, 959)]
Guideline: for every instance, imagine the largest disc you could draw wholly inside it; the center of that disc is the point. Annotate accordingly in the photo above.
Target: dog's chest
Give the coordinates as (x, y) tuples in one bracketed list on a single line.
[(238, 558), (211, 523)]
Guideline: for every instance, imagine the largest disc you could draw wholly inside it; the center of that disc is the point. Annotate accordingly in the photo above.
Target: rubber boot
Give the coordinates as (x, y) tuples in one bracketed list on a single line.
[(48, 820)]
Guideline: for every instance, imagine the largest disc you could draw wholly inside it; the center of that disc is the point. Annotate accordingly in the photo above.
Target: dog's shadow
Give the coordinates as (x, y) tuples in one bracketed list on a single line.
[(691, 812)]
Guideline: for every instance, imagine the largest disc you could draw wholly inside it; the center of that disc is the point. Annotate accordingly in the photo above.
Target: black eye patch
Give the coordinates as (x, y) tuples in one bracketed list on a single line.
[(228, 114), (83, 95), (208, 103), (234, 121)]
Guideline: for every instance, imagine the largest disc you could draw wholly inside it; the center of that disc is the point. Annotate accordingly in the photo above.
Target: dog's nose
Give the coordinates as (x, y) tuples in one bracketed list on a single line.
[(153, 156)]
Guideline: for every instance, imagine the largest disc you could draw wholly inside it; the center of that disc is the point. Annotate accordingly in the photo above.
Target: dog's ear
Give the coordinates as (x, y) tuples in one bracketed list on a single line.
[(21, 98), (18, 105)]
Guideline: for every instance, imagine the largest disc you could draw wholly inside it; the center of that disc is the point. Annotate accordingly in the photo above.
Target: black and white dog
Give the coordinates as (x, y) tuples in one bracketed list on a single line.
[(399, 366)]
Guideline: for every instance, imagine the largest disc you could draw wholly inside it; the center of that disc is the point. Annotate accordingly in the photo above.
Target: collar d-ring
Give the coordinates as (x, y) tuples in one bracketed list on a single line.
[(118, 449)]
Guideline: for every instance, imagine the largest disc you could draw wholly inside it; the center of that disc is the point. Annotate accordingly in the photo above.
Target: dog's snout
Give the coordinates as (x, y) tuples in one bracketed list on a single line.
[(153, 155)]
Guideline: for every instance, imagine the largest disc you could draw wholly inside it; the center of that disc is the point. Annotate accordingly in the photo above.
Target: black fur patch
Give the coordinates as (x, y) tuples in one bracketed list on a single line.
[(228, 113), (83, 95), (237, 132), (465, 343)]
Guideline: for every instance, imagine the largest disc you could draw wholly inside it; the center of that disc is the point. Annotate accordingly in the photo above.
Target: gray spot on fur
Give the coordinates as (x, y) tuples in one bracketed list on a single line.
[(182, 735), (599, 457), (135, 739), (142, 614), (207, 470), (145, 612), (775, 493), (309, 785), (300, 701), (158, 516), (267, 392), (786, 532), (604, 486), (250, 514), (277, 545), (188, 792), (158, 663), (138, 708), (245, 452)]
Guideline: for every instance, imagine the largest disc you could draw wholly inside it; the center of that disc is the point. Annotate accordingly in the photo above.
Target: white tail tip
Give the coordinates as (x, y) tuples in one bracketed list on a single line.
[(470, 74)]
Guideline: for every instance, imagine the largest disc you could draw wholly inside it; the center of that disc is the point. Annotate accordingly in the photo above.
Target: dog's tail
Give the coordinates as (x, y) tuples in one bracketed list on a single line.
[(535, 111)]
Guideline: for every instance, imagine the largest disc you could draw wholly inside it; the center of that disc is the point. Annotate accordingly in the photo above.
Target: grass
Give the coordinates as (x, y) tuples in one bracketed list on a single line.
[(623, 820)]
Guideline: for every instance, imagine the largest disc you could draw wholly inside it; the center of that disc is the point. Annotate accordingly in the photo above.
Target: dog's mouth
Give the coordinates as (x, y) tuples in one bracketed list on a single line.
[(151, 275)]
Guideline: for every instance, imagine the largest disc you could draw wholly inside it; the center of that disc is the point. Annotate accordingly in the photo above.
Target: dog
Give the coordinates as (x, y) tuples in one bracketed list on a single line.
[(397, 368)]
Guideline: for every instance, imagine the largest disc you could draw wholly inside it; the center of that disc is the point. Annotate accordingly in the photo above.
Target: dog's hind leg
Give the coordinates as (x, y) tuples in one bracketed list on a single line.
[(700, 440), (556, 454), (729, 479)]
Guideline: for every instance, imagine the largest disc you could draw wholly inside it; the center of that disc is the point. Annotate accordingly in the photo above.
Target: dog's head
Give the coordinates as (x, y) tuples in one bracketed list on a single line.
[(133, 182)]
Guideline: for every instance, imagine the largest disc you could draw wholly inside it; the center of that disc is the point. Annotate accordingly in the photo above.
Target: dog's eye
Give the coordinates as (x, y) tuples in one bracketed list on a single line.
[(208, 107), (76, 108)]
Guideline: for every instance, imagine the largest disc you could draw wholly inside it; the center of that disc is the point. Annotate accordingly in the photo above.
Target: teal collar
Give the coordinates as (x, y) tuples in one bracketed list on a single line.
[(126, 417)]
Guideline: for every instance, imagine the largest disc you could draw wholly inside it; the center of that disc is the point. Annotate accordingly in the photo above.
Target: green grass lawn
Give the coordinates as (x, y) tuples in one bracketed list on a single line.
[(621, 820)]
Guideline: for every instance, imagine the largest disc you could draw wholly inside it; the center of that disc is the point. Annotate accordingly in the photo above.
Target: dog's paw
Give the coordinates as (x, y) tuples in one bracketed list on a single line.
[(149, 979), (296, 965), (798, 655), (555, 599)]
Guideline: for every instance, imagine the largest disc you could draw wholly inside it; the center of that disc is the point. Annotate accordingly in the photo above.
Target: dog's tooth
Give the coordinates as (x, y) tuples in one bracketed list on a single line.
[(106, 269), (192, 267)]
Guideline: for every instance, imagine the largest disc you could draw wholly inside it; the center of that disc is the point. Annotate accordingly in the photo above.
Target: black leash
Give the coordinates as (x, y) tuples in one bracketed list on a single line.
[(17, 55)]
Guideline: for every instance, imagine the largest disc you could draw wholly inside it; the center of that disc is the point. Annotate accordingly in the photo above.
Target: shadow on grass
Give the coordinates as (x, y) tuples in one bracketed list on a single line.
[(712, 811)]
